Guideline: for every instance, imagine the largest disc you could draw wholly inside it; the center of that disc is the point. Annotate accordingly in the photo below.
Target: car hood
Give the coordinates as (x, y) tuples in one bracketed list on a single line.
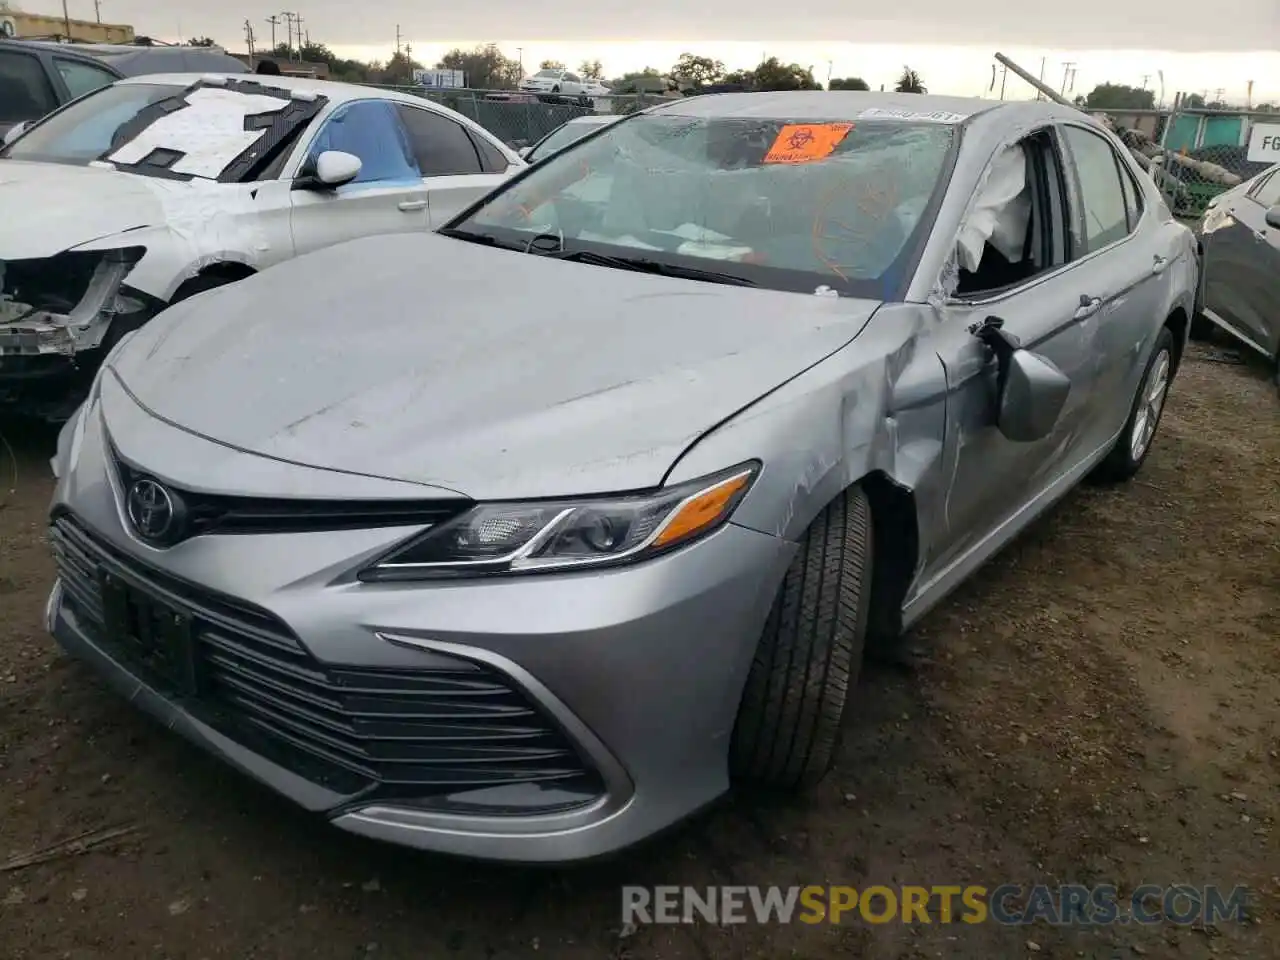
[(52, 207), (493, 373)]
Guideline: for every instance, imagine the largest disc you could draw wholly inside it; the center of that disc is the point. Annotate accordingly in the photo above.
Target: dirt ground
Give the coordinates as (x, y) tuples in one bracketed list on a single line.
[(1101, 704)]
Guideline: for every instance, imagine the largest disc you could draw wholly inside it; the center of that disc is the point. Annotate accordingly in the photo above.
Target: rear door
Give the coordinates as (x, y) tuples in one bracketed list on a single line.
[(453, 165), (388, 196), (1241, 264), (26, 92), (1127, 255)]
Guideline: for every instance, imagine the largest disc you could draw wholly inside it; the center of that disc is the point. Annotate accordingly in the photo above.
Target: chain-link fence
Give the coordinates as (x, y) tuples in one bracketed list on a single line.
[(1196, 154), (522, 119)]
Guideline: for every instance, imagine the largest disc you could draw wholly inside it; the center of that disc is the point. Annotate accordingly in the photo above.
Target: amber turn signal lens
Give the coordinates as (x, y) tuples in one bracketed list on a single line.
[(702, 510)]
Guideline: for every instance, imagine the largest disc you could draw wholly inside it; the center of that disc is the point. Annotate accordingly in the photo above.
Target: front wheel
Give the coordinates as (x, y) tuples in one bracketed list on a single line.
[(807, 660), (1134, 443)]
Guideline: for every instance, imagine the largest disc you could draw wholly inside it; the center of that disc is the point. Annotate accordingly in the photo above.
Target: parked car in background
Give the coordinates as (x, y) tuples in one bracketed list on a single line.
[(565, 134), (1240, 283), (519, 539), (37, 77), (555, 84), (120, 203)]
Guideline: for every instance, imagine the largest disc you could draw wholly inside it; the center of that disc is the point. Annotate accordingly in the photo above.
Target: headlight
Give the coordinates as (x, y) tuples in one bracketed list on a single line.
[(509, 538)]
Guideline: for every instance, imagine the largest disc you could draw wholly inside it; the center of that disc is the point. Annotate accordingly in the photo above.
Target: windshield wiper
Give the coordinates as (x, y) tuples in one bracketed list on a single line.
[(487, 239), (645, 265)]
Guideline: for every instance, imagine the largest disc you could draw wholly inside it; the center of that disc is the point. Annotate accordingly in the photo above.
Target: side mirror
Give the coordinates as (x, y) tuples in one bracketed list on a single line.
[(331, 169), (1030, 391), (1273, 217), (14, 132), (524, 152)]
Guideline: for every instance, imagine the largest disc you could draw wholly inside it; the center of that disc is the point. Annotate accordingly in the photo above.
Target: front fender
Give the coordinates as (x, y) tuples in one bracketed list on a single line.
[(171, 258), (878, 405)]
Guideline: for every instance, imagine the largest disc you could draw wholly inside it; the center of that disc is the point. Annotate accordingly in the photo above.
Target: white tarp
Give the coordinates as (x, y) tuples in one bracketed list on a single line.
[(1000, 213), (210, 132)]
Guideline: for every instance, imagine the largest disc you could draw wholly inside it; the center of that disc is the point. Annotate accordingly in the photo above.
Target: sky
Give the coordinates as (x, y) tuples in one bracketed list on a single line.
[(949, 43)]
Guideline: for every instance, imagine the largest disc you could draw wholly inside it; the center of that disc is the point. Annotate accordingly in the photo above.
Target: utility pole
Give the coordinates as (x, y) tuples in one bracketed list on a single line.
[(297, 29), (828, 74), (1004, 78), (1067, 69), (289, 17), (66, 19), (248, 39), (273, 20), (397, 41), (97, 10), (520, 55)]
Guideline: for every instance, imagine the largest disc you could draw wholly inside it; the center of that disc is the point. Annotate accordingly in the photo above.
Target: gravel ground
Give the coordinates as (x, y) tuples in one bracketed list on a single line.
[(1098, 705)]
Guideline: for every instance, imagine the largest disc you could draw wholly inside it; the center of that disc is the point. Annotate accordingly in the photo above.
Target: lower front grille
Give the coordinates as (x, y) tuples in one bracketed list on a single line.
[(418, 733)]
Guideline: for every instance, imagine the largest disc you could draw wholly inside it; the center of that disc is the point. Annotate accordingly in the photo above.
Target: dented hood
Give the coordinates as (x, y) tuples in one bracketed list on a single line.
[(494, 373), (51, 207)]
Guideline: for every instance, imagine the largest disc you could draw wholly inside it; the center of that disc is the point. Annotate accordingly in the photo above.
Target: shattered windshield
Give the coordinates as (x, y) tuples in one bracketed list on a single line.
[(785, 203), (153, 128)]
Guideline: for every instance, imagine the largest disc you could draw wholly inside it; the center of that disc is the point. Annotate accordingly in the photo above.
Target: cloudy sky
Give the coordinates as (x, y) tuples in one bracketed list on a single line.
[(948, 42)]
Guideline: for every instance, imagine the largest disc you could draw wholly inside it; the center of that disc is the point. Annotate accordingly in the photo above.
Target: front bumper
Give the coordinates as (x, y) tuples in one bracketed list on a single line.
[(616, 691)]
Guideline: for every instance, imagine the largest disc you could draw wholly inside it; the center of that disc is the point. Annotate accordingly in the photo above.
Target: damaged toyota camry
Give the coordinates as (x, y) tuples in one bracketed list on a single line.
[(157, 188), (523, 540)]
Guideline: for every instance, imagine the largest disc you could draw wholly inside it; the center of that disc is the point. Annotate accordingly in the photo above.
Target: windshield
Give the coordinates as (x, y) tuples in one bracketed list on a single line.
[(559, 139), (548, 73), (201, 139), (787, 204)]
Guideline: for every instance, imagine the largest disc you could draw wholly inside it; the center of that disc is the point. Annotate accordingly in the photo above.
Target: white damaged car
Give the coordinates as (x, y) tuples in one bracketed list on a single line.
[(153, 189)]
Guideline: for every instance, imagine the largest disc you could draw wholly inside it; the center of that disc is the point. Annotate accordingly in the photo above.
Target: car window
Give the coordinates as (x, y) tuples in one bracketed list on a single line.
[(1267, 192), (795, 205), (370, 130), (491, 158), (441, 145), (82, 78), (25, 91), (89, 129), (1132, 197), (572, 78), (559, 139), (1106, 217)]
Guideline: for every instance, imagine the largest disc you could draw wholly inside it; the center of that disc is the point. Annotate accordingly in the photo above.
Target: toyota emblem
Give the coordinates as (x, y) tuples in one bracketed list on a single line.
[(152, 510)]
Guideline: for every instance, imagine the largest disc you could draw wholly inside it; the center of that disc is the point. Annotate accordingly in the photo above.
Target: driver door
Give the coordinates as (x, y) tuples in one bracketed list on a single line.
[(992, 480), (389, 194)]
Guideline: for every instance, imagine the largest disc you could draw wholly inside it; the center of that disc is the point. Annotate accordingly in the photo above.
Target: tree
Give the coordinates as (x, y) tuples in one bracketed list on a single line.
[(699, 71), (1119, 96), (551, 65), (485, 67), (591, 70), (773, 75), (201, 42), (910, 82), (849, 83)]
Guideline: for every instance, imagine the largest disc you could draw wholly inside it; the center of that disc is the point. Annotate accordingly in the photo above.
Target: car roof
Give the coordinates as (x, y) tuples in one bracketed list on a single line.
[(335, 91), (836, 105), (62, 49), (137, 60)]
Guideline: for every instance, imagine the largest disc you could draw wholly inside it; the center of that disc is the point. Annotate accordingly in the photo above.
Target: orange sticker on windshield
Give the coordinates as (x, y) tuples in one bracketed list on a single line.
[(806, 142)]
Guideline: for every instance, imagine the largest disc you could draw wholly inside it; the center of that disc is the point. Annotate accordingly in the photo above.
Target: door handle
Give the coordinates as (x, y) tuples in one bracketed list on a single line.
[(1158, 263), (409, 206), (1088, 307)]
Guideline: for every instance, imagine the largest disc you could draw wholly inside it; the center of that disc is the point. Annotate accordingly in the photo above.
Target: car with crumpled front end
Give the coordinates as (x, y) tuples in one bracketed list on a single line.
[(524, 539), (155, 189)]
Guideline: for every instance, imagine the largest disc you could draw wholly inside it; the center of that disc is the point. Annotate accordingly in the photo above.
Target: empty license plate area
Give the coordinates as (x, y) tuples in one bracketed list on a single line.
[(148, 633)]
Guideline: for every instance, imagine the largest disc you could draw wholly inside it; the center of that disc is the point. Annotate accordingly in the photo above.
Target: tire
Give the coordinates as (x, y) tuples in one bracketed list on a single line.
[(808, 658), (1127, 456)]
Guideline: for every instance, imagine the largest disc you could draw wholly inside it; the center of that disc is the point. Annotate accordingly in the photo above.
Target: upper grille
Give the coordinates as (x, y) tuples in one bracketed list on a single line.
[(214, 513), (392, 732)]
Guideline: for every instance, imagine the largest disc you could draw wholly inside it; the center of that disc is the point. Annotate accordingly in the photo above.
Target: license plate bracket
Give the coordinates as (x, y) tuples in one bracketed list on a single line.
[(150, 633)]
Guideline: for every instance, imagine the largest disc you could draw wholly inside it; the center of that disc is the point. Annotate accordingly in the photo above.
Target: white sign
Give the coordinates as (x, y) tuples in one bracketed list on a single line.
[(893, 113), (439, 78), (1264, 143)]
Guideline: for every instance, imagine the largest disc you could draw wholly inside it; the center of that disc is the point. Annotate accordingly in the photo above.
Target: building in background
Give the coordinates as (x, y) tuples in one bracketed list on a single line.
[(20, 25)]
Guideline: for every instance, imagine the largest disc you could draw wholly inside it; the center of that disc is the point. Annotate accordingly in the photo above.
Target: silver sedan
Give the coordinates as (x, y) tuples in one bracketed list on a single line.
[(523, 539)]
